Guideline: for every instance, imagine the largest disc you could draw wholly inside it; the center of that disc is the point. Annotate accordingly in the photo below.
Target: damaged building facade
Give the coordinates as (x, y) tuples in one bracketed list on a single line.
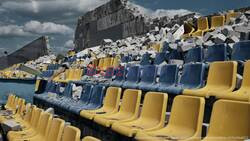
[(112, 20)]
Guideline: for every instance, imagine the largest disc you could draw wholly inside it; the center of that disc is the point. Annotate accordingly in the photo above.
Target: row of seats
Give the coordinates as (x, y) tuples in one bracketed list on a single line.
[(186, 118), (53, 67), (145, 79), (91, 97), (38, 125), (213, 53), (107, 62), (70, 75), (203, 26)]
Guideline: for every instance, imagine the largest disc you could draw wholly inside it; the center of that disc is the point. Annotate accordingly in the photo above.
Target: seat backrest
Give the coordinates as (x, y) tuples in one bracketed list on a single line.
[(202, 23), (116, 61), (44, 123), (88, 138), (35, 117), (29, 110), (222, 74), (126, 59), (231, 15), (86, 93), (145, 59), (159, 58), (174, 54), (216, 53), (101, 62), (97, 95), (21, 106), (109, 73), (194, 55), (68, 90), (71, 134), (187, 114), (91, 71), (154, 106), (241, 51), (149, 73), (120, 73), (107, 63), (246, 75), (217, 21), (112, 98), (192, 75), (9, 100), (229, 119), (133, 74), (56, 130), (131, 101), (188, 28)]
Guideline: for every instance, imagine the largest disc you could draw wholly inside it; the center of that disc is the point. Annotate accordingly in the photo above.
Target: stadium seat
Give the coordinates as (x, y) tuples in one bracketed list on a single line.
[(174, 55), (202, 26), (95, 101), (194, 55), (152, 116), (109, 73), (221, 79), (243, 93), (101, 63), (84, 99), (168, 77), (129, 109), (133, 76), (216, 53), (188, 30), (116, 61), (126, 59), (29, 131), (88, 138), (71, 133), (110, 104), (145, 59), (185, 121), (191, 78), (159, 58), (107, 63), (230, 15), (10, 99), (217, 21), (241, 51), (148, 77), (56, 130), (229, 121), (119, 77), (41, 130)]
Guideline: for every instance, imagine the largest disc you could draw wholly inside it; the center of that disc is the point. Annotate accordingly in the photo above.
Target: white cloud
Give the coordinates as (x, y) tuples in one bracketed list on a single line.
[(47, 28), (69, 44), (13, 30), (37, 6), (35, 27)]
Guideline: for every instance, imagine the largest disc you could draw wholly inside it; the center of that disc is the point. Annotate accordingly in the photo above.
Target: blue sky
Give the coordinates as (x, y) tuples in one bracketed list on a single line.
[(22, 21)]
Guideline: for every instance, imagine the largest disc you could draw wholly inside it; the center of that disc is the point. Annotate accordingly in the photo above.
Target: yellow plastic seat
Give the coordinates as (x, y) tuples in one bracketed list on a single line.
[(25, 119), (221, 80), (40, 132), (230, 15), (129, 109), (185, 121), (34, 124), (229, 121), (202, 26), (88, 138), (107, 63), (116, 61), (71, 134), (152, 116), (9, 100), (56, 130), (217, 21), (101, 63), (244, 92), (110, 104), (188, 30)]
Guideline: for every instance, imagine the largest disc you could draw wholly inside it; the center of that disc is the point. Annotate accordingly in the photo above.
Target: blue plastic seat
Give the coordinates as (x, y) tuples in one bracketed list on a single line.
[(50, 87), (95, 101), (47, 73), (241, 51), (174, 54), (84, 99), (168, 77), (126, 59), (109, 73), (159, 58), (145, 59), (216, 53), (191, 78), (148, 77), (133, 77), (194, 55), (119, 77), (165, 47)]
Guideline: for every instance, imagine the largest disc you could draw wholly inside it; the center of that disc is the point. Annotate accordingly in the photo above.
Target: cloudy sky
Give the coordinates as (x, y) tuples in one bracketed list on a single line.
[(22, 21)]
